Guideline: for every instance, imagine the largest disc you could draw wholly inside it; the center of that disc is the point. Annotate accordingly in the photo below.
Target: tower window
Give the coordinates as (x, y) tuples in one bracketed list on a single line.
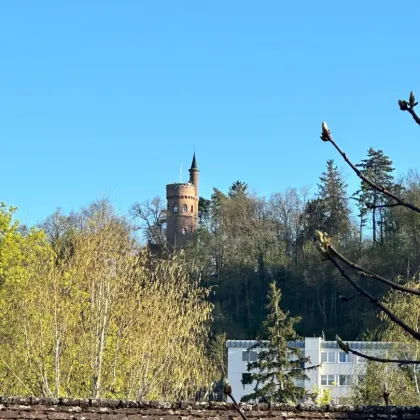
[(184, 208), (184, 231), (192, 209), (175, 208)]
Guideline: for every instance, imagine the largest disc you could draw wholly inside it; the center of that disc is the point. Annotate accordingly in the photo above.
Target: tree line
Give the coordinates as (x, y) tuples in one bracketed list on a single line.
[(88, 310), (247, 241)]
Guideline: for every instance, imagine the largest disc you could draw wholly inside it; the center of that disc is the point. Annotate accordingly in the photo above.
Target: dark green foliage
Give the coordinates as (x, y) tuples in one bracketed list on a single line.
[(279, 363), (238, 187), (203, 211), (248, 241), (378, 168), (332, 194)]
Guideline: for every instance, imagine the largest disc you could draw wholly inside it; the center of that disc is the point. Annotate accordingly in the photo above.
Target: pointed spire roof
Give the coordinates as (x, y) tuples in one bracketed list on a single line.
[(194, 166)]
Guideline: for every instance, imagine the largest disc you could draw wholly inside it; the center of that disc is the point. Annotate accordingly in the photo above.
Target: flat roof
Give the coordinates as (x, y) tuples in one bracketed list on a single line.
[(356, 345)]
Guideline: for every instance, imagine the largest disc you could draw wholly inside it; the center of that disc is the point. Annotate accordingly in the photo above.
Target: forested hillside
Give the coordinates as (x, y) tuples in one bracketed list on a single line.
[(246, 241)]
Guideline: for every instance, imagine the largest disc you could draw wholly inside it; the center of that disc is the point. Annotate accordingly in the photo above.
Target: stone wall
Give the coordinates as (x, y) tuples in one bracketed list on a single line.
[(63, 408)]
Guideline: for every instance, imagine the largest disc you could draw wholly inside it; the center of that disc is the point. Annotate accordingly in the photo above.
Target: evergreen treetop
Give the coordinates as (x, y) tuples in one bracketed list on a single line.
[(279, 362)]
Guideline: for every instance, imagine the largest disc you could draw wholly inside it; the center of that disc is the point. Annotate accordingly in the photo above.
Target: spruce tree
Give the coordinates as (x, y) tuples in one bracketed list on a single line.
[(279, 363), (378, 168), (238, 188), (332, 192)]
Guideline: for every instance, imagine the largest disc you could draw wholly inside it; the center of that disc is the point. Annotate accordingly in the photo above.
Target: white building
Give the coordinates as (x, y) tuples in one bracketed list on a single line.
[(336, 373)]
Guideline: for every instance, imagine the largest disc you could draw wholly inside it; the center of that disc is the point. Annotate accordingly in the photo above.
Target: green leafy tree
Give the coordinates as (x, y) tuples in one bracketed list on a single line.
[(106, 320), (279, 364)]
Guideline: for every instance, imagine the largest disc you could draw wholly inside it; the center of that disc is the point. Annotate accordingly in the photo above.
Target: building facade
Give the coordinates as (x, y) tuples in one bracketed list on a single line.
[(182, 209), (337, 370)]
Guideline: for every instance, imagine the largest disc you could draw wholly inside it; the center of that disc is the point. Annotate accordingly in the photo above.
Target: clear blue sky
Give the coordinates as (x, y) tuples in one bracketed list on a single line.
[(107, 98)]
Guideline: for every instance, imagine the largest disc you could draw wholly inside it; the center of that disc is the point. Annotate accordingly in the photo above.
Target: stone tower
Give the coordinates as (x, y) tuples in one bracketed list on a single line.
[(182, 210)]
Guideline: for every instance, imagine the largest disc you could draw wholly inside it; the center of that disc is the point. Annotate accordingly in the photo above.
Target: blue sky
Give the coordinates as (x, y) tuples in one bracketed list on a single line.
[(108, 98)]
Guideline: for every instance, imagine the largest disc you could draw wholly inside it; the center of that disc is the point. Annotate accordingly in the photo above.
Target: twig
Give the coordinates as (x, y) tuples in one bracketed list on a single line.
[(237, 406), (347, 349), (326, 136), (324, 247), (17, 377), (386, 399), (227, 389), (346, 298), (381, 206), (409, 106), (370, 274), (375, 301)]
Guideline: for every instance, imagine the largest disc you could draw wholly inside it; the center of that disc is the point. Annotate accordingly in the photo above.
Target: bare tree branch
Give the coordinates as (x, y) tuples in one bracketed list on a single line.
[(326, 136), (151, 215), (381, 206), (323, 245), (347, 349), (227, 389), (370, 274), (328, 252)]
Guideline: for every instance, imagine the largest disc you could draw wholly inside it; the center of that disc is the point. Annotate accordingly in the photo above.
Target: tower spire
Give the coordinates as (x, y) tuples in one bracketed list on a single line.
[(194, 174), (194, 165)]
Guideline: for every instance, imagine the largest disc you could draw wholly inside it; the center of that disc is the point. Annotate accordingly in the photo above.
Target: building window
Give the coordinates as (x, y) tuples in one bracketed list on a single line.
[(192, 209), (344, 380), (345, 358), (184, 208), (327, 380), (249, 356), (184, 231), (175, 208), (246, 379), (328, 356)]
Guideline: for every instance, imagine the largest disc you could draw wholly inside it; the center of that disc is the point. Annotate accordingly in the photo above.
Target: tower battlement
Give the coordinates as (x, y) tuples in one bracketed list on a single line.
[(185, 189), (182, 210)]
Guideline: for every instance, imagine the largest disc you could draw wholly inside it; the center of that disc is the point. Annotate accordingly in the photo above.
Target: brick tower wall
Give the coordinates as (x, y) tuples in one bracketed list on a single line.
[(182, 224)]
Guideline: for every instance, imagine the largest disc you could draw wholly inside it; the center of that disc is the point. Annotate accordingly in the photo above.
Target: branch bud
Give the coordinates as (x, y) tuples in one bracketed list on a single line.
[(343, 346), (403, 105), (227, 389), (325, 132), (412, 99)]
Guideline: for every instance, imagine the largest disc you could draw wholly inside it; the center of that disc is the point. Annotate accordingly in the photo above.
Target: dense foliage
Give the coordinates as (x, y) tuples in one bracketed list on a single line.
[(248, 241), (90, 314)]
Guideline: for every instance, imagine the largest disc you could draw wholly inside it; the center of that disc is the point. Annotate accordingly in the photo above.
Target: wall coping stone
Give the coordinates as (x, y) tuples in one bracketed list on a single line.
[(29, 402)]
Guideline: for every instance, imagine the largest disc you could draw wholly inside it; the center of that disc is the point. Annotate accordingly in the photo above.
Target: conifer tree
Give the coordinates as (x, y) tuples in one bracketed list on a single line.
[(332, 192), (279, 364), (378, 168), (237, 188)]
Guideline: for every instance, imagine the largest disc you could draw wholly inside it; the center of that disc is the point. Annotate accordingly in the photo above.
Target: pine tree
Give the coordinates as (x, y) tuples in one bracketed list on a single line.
[(279, 364), (378, 168)]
